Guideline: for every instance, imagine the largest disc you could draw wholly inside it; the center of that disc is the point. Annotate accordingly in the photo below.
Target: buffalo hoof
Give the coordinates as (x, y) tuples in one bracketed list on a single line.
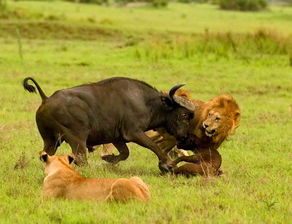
[(111, 158)]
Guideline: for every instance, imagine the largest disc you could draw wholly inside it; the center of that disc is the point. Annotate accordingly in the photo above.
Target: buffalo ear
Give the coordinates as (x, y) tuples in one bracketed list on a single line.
[(44, 157), (71, 158), (184, 102)]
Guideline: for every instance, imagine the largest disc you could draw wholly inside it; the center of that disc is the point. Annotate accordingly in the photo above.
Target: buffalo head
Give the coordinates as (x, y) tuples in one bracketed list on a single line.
[(181, 112)]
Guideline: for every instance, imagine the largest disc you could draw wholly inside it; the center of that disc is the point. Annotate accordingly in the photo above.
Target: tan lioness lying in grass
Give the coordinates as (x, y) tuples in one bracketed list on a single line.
[(62, 181)]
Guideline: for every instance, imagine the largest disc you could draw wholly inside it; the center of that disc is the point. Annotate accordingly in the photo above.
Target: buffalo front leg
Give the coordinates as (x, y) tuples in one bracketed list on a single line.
[(165, 163), (123, 150)]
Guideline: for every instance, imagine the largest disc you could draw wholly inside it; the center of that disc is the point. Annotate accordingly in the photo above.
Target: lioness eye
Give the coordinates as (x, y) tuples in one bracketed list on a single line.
[(217, 118)]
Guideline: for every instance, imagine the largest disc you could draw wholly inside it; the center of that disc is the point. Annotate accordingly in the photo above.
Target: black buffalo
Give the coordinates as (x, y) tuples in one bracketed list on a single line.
[(115, 110)]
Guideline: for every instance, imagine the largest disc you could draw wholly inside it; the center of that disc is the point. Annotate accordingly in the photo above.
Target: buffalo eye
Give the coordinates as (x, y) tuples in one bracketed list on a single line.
[(187, 116), (184, 115)]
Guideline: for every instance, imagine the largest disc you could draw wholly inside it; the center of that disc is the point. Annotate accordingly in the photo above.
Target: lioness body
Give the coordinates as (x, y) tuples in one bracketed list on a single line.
[(62, 181)]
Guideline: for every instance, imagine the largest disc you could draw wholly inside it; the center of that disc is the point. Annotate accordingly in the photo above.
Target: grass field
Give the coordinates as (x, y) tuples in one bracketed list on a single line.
[(248, 55)]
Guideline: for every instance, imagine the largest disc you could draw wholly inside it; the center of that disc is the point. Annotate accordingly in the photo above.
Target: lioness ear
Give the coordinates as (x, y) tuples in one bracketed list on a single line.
[(71, 158), (44, 157)]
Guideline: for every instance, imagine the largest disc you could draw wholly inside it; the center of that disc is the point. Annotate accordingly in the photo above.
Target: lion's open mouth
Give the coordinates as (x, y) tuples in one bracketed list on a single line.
[(209, 133)]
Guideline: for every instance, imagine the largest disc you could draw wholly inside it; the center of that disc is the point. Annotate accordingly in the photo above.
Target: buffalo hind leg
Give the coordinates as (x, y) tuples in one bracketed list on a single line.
[(51, 143), (123, 150), (78, 147), (50, 146), (165, 163)]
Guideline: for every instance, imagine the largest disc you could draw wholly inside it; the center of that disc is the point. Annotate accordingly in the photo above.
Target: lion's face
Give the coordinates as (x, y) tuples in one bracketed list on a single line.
[(212, 123), (221, 117), (216, 122)]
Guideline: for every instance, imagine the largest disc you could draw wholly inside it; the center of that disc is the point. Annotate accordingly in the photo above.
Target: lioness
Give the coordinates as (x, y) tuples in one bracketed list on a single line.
[(62, 181)]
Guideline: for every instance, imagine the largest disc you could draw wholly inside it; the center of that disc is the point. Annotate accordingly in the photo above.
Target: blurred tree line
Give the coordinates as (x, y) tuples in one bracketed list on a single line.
[(242, 5)]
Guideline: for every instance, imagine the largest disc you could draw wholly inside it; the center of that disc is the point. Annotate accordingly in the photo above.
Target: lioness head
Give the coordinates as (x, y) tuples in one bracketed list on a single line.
[(54, 162), (221, 116)]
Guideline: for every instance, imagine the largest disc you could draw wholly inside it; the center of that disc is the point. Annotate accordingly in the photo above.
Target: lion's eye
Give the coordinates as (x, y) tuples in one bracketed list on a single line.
[(217, 119)]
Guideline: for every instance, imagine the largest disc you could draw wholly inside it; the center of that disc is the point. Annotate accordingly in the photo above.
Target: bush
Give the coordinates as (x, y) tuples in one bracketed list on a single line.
[(158, 3), (193, 1), (243, 5), (99, 2), (154, 3)]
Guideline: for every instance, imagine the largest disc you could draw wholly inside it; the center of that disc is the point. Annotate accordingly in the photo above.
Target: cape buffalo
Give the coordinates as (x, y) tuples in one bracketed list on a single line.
[(115, 110)]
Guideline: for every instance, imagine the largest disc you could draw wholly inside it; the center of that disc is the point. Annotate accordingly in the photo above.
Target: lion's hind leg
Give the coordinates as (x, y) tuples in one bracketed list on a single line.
[(194, 169), (142, 186)]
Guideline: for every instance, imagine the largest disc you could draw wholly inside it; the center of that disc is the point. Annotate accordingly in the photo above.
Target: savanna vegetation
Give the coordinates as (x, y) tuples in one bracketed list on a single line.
[(245, 54)]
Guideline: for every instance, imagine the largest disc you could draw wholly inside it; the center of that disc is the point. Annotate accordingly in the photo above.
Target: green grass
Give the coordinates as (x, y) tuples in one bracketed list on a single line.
[(138, 43), (175, 18)]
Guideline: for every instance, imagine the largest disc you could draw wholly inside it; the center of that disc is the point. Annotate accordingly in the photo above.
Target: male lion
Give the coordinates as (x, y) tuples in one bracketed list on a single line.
[(62, 181), (213, 122)]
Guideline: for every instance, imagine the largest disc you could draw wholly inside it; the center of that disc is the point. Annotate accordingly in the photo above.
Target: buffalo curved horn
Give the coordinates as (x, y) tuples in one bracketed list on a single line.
[(174, 89), (182, 101)]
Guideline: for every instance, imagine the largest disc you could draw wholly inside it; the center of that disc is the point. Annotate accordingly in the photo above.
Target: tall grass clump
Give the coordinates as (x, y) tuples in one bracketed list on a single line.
[(224, 45), (154, 3), (243, 5)]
